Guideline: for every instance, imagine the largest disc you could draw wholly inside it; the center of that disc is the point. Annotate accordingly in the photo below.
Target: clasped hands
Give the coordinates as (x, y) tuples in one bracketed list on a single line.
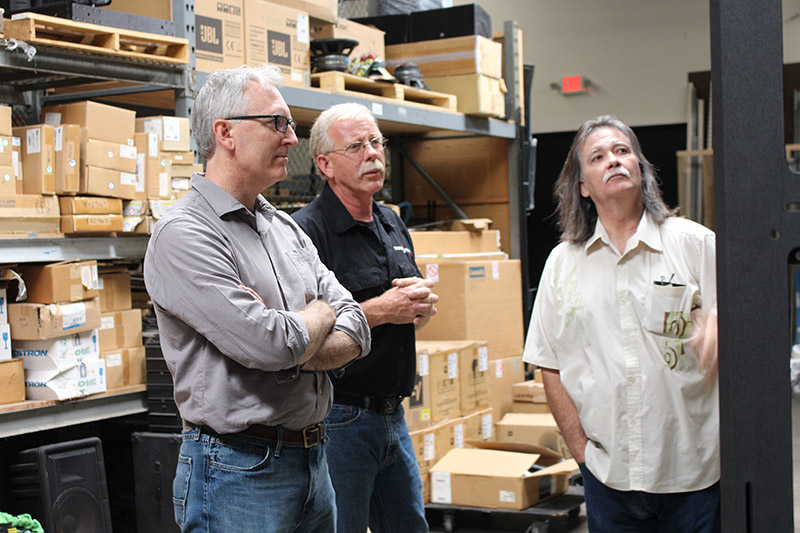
[(412, 300)]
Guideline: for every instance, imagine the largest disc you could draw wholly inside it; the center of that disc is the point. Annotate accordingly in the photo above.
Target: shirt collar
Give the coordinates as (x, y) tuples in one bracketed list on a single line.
[(222, 202), (647, 232), (341, 220)]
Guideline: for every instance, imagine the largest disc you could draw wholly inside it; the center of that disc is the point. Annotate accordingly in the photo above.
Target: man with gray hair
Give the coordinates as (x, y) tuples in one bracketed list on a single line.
[(250, 321), (371, 457), (635, 396)]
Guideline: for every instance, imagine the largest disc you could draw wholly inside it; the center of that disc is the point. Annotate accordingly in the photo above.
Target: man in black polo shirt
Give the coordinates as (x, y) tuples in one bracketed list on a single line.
[(371, 458)]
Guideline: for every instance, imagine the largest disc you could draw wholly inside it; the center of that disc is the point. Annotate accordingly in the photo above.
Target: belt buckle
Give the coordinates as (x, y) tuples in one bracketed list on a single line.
[(390, 405), (308, 432)]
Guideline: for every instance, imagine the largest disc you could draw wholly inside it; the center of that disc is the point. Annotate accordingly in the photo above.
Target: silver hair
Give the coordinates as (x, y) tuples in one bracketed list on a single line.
[(320, 140), (222, 95), (577, 215)]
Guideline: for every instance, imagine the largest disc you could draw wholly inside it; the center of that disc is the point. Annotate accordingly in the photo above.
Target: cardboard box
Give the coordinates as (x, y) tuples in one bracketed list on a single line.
[(5, 120), (125, 367), (12, 381), (16, 162), (120, 329), (496, 479), (90, 205), (61, 353), (280, 36), (319, 9), (31, 321), (502, 374), (104, 122), (477, 94), (6, 152), (67, 156), (532, 428), (151, 168), (220, 34), (29, 213), (448, 435), (424, 442), (417, 407), (478, 300), (179, 158), (158, 208), (91, 223), (5, 342), (370, 39), (106, 154), (134, 208), (137, 225), (444, 365), (38, 158), (115, 291), (528, 391), (529, 407), (479, 426), (87, 377), (471, 54), (8, 180), (106, 182), (173, 132), (443, 243), (66, 281), (473, 371), (185, 171)]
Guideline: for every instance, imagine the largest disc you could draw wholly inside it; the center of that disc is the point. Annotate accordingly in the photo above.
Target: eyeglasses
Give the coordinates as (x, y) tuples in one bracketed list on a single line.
[(377, 143), (281, 122)]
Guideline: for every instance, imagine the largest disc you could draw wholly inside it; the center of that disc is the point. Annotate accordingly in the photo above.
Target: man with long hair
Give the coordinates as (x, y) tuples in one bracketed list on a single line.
[(633, 390)]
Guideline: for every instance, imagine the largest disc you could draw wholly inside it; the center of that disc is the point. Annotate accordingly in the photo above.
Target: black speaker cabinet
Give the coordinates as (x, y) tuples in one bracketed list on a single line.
[(155, 458), (63, 486)]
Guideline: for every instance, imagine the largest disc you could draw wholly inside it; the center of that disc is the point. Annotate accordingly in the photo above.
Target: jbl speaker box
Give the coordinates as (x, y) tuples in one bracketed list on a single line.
[(155, 456), (63, 486), (457, 21)]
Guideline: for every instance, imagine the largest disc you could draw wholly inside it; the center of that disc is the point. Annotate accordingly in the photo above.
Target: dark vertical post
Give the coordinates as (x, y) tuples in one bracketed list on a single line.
[(755, 234)]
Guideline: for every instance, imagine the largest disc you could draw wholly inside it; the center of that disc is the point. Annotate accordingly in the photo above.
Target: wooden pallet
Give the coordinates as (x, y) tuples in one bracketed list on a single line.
[(343, 83), (43, 30)]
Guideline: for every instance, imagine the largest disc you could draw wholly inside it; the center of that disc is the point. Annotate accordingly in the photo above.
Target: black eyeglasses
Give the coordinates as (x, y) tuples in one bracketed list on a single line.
[(281, 122), (377, 143)]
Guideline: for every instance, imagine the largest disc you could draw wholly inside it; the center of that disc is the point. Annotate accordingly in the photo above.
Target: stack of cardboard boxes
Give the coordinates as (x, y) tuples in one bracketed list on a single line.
[(120, 334), (169, 172), (12, 380), (54, 331)]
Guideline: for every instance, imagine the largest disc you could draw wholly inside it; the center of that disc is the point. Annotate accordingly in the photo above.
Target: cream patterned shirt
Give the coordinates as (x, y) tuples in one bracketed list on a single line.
[(616, 326)]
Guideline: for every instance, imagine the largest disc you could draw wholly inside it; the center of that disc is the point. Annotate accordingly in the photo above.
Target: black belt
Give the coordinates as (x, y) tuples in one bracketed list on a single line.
[(383, 405), (307, 437)]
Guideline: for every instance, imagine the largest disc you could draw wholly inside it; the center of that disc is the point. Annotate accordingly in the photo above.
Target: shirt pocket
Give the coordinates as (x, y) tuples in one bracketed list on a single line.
[(669, 310), (303, 261)]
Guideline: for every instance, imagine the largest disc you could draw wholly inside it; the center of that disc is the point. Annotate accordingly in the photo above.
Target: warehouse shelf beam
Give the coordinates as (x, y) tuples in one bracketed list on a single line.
[(62, 414), (67, 248)]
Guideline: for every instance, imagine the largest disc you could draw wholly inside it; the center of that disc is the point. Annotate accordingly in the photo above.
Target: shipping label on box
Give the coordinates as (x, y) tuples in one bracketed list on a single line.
[(65, 281), (32, 321), (58, 354), (86, 377), (16, 163), (5, 341), (279, 36), (220, 34), (38, 158), (67, 154)]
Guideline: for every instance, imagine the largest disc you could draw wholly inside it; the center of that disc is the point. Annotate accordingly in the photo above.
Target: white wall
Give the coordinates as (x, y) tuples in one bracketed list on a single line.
[(637, 53)]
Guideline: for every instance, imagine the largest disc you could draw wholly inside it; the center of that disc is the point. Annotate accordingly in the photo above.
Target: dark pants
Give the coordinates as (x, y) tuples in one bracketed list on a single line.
[(615, 511)]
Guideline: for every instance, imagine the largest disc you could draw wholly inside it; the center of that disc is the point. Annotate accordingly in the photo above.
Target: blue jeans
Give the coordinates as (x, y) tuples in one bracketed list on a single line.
[(374, 471), (235, 483), (614, 511)]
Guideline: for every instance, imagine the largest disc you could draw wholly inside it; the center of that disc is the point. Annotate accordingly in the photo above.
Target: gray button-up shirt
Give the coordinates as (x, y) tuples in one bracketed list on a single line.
[(234, 359)]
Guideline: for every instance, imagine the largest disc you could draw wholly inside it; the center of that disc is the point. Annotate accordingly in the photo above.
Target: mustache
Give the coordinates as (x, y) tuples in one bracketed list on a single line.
[(615, 171), (372, 165)]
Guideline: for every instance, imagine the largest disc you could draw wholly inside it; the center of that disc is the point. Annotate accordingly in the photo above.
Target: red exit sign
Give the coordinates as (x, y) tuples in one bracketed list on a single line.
[(572, 84)]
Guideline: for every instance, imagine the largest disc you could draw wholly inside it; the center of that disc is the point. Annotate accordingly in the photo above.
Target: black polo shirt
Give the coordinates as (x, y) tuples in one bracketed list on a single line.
[(366, 265)]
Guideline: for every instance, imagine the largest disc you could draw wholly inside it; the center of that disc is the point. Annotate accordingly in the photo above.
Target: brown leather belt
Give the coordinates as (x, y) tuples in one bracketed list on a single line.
[(307, 437)]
